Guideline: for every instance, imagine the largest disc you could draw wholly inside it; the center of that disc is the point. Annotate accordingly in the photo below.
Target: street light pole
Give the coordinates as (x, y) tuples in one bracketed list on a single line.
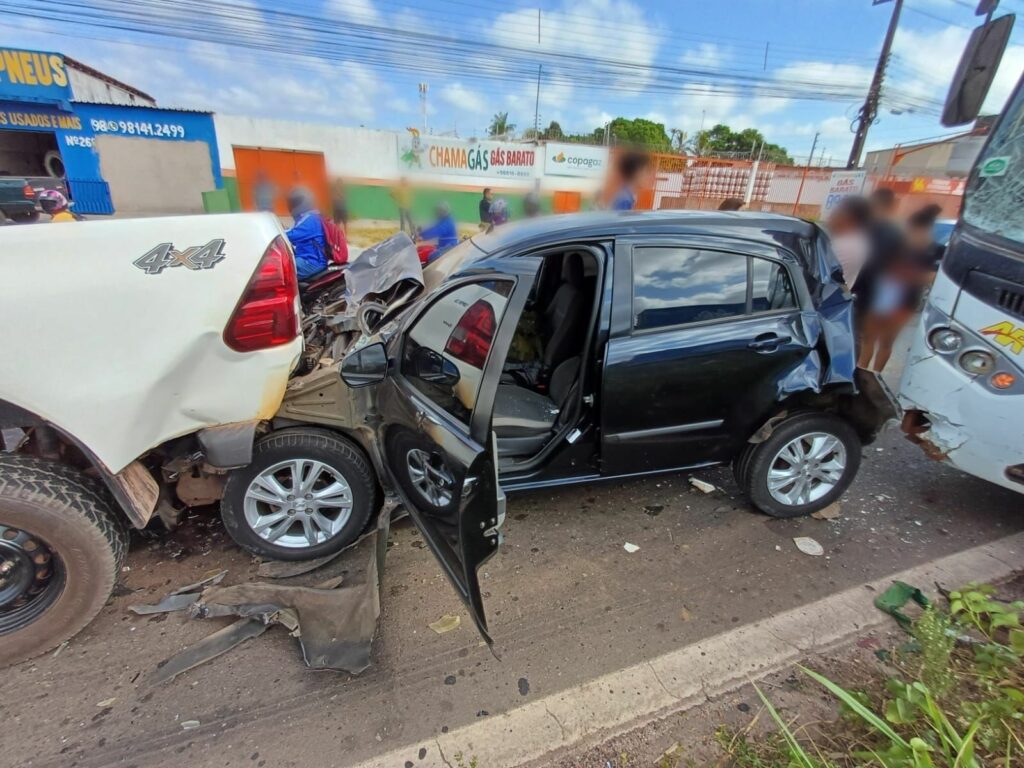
[(869, 111)]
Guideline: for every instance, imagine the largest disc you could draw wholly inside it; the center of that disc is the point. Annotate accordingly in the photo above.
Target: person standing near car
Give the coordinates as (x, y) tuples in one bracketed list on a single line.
[(485, 208), (264, 192), (339, 204), (444, 231), (848, 230), (306, 234)]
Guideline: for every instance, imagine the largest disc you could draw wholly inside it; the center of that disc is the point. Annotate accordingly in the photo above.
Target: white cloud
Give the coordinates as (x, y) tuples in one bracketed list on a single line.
[(705, 56), (460, 97), (357, 11)]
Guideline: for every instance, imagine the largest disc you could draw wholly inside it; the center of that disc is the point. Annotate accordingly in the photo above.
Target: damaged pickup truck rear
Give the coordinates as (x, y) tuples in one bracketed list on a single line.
[(153, 371)]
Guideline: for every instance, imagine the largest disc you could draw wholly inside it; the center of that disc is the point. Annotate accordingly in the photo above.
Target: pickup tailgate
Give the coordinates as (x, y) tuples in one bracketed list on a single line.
[(113, 329)]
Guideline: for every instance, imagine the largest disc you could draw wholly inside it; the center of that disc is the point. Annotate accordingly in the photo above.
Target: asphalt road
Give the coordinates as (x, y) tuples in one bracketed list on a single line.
[(566, 603)]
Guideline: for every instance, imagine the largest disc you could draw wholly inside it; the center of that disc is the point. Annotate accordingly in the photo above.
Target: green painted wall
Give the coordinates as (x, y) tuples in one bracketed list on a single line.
[(373, 202)]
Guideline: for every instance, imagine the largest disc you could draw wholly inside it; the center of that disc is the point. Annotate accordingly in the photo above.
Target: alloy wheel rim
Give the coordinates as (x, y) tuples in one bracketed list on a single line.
[(430, 477), (32, 577), (806, 468), (298, 503)]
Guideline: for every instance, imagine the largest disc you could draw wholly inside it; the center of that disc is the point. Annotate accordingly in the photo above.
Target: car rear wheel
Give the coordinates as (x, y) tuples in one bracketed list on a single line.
[(806, 463), (61, 548), (306, 494), (422, 472)]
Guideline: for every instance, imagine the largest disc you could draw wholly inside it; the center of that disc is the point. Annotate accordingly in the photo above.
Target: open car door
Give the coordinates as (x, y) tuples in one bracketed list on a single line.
[(436, 406)]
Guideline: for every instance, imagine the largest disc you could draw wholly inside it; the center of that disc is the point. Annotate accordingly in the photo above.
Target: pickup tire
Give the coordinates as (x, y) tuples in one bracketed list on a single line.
[(261, 500), (807, 462), (61, 549)]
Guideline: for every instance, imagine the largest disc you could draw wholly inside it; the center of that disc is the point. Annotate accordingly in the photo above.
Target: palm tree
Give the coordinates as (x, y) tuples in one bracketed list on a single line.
[(500, 126)]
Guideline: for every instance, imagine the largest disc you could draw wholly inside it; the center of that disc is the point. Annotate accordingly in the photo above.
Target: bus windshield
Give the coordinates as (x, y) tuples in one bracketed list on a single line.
[(994, 199)]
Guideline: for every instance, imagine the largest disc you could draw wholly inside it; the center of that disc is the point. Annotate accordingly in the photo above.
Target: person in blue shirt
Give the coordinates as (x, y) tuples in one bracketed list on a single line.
[(444, 230), (307, 234), (631, 165)]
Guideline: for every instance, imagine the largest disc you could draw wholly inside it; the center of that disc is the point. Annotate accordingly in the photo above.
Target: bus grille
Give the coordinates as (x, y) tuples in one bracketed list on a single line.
[(1011, 301)]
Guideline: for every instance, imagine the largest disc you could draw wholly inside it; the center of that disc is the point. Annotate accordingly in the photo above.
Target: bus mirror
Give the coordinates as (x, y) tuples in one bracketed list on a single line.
[(976, 71)]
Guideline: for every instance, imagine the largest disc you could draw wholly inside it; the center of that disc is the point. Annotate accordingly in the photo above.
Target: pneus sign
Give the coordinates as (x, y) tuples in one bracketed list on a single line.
[(160, 257), (575, 160)]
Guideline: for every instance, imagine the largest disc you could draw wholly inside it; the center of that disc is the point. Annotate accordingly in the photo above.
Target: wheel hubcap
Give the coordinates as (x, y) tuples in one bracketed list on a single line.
[(31, 578), (806, 469), (298, 503), (430, 477)]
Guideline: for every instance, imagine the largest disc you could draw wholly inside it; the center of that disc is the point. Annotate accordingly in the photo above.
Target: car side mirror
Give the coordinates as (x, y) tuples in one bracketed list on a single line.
[(976, 70), (435, 368), (366, 366)]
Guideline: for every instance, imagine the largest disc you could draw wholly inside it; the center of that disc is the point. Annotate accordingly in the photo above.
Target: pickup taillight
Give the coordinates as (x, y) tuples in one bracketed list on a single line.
[(268, 314), (471, 340), (28, 192)]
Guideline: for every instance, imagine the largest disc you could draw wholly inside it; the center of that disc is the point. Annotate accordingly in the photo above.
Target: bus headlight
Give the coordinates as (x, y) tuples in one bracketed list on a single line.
[(945, 340), (977, 363)]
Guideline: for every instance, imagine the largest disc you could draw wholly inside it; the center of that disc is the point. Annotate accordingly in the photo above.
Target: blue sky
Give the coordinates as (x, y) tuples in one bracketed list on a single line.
[(827, 41)]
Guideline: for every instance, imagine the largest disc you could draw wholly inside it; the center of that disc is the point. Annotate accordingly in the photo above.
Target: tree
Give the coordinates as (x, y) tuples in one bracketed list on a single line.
[(500, 126), (638, 131), (680, 139), (749, 141), (553, 131)]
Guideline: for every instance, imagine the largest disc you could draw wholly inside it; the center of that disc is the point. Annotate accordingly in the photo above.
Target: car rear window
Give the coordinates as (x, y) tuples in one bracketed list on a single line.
[(678, 286), (446, 349)]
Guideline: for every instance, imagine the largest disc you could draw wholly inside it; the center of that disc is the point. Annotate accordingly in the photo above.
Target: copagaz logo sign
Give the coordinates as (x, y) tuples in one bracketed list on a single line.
[(159, 258), (579, 160)]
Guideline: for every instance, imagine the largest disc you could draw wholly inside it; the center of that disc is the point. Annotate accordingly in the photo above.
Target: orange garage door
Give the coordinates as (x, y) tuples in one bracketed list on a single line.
[(285, 168)]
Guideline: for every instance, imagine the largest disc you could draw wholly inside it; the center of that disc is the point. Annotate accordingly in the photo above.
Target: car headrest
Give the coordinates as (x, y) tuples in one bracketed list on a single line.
[(572, 269)]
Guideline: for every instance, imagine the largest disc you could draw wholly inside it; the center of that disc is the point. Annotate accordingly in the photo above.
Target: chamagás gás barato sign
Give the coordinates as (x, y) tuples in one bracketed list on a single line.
[(458, 157)]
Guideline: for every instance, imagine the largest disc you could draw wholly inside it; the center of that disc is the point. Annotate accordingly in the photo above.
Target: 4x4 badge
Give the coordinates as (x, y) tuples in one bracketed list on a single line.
[(157, 259)]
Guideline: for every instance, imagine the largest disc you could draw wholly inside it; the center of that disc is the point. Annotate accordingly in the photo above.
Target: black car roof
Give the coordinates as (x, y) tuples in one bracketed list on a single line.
[(748, 225)]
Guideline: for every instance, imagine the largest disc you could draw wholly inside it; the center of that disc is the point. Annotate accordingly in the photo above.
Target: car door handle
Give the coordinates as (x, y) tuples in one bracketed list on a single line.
[(768, 342)]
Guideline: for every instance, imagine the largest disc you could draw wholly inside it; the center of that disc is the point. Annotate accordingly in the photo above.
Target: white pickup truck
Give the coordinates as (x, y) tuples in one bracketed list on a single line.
[(145, 363)]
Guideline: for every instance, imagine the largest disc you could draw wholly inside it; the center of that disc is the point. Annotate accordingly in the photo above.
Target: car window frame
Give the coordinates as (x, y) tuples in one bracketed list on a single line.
[(623, 313), (397, 352)]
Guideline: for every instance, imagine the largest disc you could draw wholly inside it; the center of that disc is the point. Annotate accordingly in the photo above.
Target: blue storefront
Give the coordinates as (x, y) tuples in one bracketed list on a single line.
[(36, 96)]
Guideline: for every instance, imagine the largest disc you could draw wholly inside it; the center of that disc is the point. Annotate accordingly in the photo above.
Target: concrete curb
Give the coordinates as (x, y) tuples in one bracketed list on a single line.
[(626, 699)]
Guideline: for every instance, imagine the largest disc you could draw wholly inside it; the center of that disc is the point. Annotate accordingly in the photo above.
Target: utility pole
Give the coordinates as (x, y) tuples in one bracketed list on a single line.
[(803, 178), (423, 106), (869, 111), (536, 104)]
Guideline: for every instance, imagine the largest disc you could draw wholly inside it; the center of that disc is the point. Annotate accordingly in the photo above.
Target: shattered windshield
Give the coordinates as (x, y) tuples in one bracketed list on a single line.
[(994, 200)]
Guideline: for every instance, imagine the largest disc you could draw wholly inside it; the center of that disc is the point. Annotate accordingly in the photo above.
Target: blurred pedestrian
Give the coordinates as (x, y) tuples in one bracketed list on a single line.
[(925, 249), (630, 167), (444, 231), (499, 213), (339, 204), (402, 195), (848, 228), (732, 204), (264, 192), (306, 234), (531, 205), (894, 290), (485, 208)]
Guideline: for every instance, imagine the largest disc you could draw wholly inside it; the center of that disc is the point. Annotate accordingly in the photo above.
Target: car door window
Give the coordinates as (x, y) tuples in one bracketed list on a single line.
[(446, 349), (674, 286), (772, 289)]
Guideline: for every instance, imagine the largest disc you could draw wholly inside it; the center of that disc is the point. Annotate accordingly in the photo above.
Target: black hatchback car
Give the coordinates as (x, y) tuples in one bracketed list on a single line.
[(574, 349)]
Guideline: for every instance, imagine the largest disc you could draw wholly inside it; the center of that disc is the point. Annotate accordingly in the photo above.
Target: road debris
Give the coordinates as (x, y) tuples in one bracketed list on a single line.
[(446, 623), (181, 598), (188, 725), (896, 597), (702, 485), (831, 512), (631, 548), (808, 546), (210, 647), (106, 702)]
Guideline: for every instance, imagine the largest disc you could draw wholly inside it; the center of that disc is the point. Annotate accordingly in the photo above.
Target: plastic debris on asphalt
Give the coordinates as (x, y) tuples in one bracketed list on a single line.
[(631, 548), (702, 486), (446, 623), (809, 546)]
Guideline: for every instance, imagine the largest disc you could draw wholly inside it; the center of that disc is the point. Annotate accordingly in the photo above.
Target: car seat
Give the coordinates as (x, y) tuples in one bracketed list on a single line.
[(525, 420)]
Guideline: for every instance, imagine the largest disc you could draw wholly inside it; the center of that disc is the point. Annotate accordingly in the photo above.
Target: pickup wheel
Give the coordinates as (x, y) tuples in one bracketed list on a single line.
[(306, 494), (807, 463), (61, 548)]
